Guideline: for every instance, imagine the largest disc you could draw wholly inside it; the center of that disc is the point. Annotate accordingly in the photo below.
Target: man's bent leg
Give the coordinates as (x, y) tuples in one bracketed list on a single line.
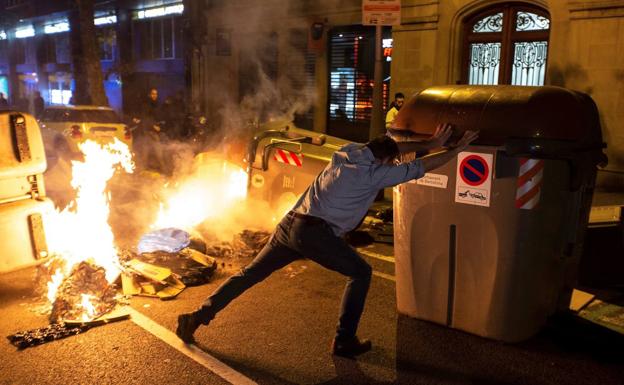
[(272, 257), (318, 243)]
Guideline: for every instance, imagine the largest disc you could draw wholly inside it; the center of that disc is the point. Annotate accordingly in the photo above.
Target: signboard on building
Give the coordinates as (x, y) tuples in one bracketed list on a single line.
[(381, 12)]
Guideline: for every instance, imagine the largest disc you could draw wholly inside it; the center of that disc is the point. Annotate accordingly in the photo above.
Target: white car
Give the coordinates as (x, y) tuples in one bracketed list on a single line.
[(63, 127)]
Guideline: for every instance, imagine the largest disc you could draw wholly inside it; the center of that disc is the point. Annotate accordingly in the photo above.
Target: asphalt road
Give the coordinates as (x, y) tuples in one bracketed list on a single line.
[(279, 332)]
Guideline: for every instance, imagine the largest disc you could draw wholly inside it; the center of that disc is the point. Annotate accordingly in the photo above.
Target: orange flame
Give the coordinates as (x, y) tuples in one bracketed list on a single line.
[(210, 192), (88, 312), (81, 232)]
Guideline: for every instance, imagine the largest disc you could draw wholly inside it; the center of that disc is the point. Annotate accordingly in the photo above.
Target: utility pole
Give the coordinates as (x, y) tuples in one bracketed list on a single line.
[(377, 118), (379, 13)]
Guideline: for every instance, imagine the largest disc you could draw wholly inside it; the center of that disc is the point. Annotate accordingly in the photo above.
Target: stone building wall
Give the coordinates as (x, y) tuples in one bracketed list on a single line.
[(586, 53)]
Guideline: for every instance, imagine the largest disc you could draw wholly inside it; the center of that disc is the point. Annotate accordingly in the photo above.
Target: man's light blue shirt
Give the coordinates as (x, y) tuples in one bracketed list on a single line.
[(342, 193)]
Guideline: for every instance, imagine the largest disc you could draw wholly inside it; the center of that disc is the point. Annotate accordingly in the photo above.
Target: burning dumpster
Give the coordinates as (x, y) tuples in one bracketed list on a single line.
[(283, 161), (23, 201), (490, 244)]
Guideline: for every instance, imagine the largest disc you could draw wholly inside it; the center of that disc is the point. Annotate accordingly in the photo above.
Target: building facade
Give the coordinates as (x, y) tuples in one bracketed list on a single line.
[(243, 62), (140, 42), (569, 43)]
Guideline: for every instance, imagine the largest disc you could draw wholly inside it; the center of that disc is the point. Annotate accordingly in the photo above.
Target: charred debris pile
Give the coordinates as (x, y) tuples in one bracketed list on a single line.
[(165, 263)]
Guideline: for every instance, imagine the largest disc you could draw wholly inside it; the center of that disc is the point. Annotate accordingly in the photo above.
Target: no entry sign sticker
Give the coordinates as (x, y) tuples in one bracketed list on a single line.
[(474, 180)]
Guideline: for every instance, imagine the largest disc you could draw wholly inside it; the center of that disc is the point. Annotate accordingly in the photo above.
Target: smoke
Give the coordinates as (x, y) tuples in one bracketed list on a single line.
[(259, 77), (263, 77)]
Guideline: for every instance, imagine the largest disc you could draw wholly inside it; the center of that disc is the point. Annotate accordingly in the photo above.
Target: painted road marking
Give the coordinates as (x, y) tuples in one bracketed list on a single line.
[(191, 351), (385, 258), (384, 275), (376, 255)]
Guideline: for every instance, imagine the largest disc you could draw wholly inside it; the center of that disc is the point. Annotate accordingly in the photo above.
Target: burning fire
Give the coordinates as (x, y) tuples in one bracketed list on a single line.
[(81, 231), (211, 192), (88, 309)]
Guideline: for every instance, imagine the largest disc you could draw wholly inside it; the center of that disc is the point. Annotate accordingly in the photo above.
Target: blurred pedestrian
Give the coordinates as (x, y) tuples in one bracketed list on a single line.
[(331, 206), (3, 101), (395, 107), (38, 104), (147, 136)]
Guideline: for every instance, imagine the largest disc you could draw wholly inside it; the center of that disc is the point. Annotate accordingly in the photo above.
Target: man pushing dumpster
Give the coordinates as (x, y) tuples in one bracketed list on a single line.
[(332, 205)]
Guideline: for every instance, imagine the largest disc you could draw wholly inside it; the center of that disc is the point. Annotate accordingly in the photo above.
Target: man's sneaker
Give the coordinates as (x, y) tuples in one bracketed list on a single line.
[(350, 348), (187, 324)]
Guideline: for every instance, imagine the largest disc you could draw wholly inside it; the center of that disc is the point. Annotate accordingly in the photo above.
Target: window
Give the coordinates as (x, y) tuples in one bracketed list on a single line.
[(506, 45), (351, 81), (47, 49), (18, 49), (107, 40), (63, 48), (159, 38)]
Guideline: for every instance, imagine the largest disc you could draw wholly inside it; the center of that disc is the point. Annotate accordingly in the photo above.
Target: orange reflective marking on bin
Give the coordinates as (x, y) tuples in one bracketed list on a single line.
[(529, 183), (288, 157)]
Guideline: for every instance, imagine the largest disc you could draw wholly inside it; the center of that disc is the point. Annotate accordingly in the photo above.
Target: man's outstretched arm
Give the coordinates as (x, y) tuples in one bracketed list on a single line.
[(391, 175)]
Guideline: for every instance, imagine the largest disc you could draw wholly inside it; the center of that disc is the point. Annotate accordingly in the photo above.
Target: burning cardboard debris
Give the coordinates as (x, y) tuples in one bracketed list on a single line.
[(84, 295), (141, 278), (57, 331), (245, 245), (49, 333), (191, 266)]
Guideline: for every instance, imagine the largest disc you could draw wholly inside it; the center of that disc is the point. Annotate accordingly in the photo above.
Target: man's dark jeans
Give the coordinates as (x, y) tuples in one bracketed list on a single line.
[(298, 237)]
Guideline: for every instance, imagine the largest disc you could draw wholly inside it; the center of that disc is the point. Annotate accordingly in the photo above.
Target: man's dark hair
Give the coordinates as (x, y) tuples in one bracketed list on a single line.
[(383, 147), (399, 95)]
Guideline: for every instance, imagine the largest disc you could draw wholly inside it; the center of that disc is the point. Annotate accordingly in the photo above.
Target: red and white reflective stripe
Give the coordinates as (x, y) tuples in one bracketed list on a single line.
[(529, 183), (288, 157)]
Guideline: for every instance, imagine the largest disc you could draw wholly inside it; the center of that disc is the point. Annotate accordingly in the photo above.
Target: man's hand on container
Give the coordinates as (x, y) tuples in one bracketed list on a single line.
[(441, 158), (464, 141), (442, 133)]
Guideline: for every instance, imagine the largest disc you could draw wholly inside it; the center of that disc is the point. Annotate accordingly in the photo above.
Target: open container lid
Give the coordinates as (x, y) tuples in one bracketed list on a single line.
[(541, 121)]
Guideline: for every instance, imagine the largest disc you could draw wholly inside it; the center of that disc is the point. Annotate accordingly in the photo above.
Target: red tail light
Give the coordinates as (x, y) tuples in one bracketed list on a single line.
[(75, 132), (127, 133)]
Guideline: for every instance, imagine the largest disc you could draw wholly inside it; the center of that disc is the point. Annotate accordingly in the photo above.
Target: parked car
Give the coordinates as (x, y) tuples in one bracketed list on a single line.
[(63, 127)]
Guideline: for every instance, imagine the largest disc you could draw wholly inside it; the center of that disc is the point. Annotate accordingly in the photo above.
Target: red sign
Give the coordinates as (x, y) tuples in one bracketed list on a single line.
[(474, 170)]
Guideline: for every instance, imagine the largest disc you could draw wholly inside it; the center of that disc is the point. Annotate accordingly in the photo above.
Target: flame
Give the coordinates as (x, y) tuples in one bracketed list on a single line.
[(81, 231), (88, 308), (210, 192), (53, 285)]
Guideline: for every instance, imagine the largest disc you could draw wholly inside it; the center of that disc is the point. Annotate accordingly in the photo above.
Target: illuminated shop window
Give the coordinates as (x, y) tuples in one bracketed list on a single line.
[(103, 20), (24, 32), (62, 26), (506, 45), (60, 96), (160, 11)]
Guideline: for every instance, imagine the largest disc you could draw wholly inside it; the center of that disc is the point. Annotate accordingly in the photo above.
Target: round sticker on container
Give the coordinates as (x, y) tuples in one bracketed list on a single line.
[(257, 181)]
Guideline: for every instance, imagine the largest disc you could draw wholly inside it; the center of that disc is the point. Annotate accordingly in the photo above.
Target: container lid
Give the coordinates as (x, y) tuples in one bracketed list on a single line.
[(505, 114)]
